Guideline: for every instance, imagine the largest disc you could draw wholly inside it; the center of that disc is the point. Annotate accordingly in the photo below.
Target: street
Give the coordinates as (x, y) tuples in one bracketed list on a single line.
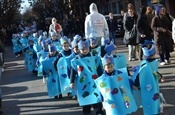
[(25, 94)]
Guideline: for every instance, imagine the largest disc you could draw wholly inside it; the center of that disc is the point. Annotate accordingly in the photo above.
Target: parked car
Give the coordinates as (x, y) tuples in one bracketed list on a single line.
[(119, 19)]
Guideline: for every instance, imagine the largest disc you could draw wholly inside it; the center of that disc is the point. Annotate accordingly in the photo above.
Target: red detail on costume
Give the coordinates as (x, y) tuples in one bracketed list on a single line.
[(94, 76), (80, 68)]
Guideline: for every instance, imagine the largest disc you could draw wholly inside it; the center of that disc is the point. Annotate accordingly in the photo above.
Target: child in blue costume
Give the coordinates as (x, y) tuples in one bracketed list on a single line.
[(49, 72), (146, 81), (115, 89), (95, 48), (55, 41), (36, 46), (17, 49), (41, 55), (62, 64), (85, 69), (30, 57), (109, 48)]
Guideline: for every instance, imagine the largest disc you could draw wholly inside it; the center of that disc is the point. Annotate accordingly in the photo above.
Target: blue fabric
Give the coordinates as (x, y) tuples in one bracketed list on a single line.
[(120, 61), (87, 92), (53, 84), (63, 40), (63, 66), (157, 9), (24, 42), (115, 89), (109, 47), (149, 88), (107, 60), (16, 45), (40, 57), (83, 44)]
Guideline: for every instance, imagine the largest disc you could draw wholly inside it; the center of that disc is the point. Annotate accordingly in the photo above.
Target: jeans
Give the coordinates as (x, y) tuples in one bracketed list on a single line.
[(112, 36)]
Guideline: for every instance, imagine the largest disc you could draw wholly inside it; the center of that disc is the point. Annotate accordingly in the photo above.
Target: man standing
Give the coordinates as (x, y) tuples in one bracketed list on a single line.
[(96, 24), (112, 24)]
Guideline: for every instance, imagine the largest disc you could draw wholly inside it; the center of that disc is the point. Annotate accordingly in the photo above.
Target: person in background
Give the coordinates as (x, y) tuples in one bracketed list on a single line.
[(55, 27), (112, 24), (164, 44), (96, 24), (150, 16), (143, 30), (129, 22)]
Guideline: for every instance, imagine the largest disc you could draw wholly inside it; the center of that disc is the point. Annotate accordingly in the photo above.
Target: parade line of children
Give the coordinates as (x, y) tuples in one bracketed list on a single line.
[(97, 75)]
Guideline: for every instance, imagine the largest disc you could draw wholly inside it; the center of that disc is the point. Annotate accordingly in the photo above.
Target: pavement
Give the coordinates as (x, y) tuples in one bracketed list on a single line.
[(25, 94)]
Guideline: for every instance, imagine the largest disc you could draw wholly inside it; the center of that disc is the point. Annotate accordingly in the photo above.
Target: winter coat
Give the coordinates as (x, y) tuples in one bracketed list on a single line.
[(95, 24), (143, 27), (162, 39), (128, 23)]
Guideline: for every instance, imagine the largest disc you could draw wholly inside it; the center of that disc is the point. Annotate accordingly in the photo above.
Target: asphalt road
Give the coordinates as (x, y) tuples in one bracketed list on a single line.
[(25, 94)]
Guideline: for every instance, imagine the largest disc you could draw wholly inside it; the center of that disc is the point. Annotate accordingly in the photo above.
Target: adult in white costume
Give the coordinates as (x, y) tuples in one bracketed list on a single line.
[(95, 24)]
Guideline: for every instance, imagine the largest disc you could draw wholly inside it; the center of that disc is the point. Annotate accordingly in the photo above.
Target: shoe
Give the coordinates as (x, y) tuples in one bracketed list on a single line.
[(74, 97), (69, 94), (130, 59), (167, 61), (162, 63), (134, 59), (60, 96), (56, 97)]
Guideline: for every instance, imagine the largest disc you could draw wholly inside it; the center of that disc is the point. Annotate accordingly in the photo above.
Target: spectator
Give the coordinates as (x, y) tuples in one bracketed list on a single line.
[(129, 22), (55, 27), (96, 24), (143, 30), (112, 24), (162, 38)]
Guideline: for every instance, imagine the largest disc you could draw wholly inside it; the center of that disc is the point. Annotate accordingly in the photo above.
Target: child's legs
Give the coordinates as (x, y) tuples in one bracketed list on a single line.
[(98, 108), (86, 109)]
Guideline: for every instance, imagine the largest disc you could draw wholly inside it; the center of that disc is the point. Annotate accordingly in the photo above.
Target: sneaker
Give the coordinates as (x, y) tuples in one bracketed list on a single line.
[(162, 63), (74, 97), (134, 59), (130, 59), (167, 61)]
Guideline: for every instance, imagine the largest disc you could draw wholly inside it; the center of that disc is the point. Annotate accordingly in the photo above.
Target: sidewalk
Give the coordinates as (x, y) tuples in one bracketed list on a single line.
[(25, 94)]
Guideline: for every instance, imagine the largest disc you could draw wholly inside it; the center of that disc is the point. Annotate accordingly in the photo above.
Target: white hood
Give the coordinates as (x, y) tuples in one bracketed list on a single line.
[(93, 8)]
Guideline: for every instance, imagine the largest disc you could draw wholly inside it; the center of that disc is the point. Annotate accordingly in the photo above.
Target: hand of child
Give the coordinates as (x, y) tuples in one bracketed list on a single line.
[(44, 80), (72, 85)]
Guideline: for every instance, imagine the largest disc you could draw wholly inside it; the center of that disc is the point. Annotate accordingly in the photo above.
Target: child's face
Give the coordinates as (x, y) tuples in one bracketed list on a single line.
[(65, 46), (76, 50), (109, 68), (52, 53), (54, 37), (84, 51)]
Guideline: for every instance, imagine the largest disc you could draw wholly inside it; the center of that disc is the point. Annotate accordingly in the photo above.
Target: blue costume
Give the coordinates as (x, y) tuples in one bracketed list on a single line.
[(146, 79), (53, 84), (116, 92)]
